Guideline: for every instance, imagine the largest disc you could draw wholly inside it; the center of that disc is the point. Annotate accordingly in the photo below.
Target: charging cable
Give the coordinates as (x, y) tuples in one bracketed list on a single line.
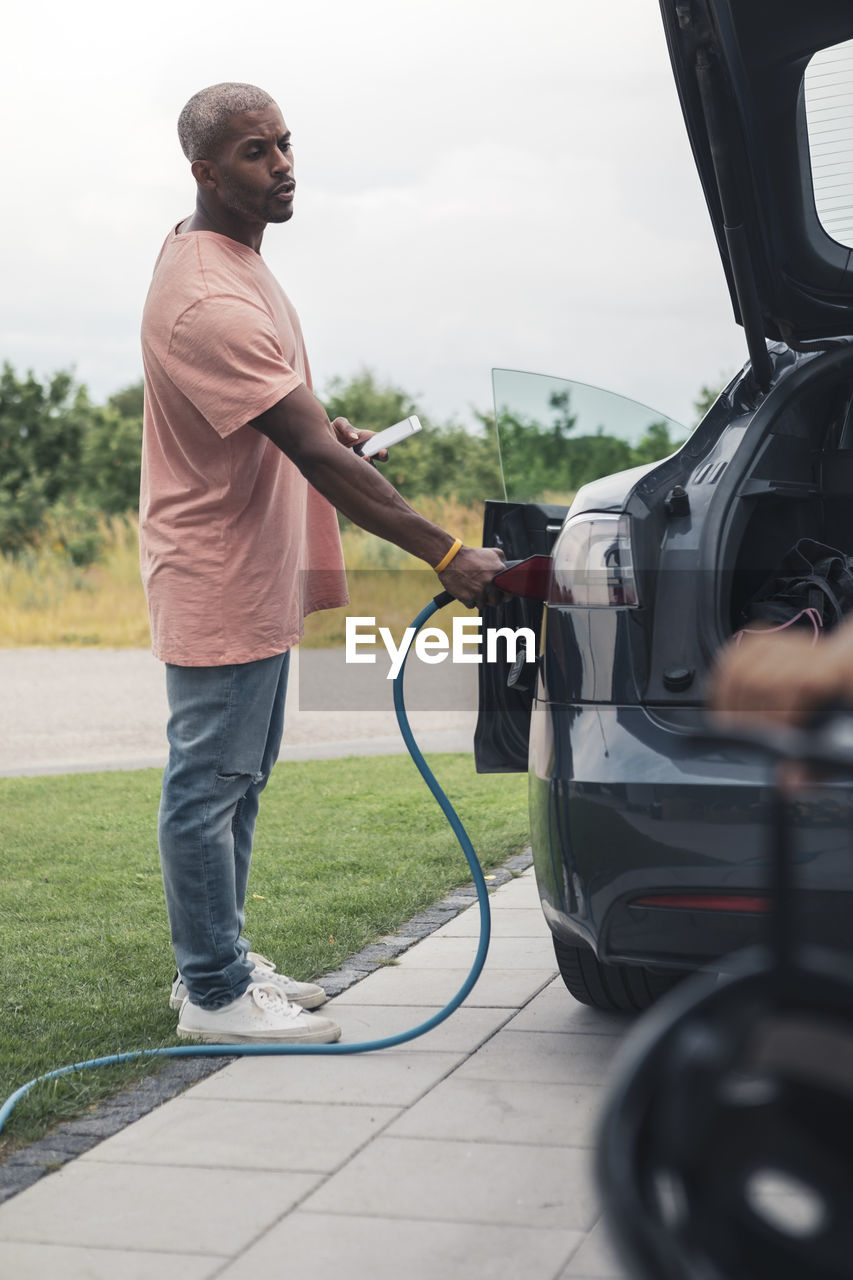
[(364, 1046)]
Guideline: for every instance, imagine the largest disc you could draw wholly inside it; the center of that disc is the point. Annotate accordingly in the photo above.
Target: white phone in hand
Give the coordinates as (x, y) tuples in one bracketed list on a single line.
[(391, 435)]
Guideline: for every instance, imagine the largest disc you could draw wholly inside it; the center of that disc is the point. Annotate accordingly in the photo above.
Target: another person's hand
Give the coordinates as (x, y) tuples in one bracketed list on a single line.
[(783, 677), (469, 576)]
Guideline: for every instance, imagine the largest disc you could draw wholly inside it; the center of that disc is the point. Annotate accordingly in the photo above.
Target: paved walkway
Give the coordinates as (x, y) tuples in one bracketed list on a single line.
[(463, 1155)]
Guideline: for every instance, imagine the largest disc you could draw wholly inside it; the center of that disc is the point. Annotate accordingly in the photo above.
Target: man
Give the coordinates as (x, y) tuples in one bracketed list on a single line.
[(241, 473)]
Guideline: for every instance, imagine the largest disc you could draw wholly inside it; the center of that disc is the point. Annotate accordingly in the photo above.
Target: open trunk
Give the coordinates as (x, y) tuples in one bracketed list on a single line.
[(797, 484)]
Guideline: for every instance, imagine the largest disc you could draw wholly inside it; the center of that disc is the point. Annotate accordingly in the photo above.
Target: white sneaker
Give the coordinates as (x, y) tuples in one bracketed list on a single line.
[(306, 994), (260, 1015)]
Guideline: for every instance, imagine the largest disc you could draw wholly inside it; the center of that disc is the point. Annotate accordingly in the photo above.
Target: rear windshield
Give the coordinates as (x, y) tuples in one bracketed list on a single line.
[(829, 116)]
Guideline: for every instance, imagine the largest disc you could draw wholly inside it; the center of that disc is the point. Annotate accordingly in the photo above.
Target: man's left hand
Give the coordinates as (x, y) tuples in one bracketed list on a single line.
[(349, 436)]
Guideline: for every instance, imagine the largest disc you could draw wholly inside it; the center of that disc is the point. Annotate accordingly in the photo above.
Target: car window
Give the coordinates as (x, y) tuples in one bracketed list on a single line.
[(555, 435), (829, 120)]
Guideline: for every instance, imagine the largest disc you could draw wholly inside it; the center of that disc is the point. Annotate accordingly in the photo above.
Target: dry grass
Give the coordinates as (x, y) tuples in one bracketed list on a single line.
[(386, 583), (45, 601)]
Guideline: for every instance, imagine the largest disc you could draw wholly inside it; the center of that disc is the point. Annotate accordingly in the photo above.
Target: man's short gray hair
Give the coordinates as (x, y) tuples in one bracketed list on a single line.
[(204, 120)]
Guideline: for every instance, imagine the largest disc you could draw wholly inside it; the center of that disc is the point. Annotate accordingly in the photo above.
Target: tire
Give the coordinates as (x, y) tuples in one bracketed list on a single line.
[(617, 988)]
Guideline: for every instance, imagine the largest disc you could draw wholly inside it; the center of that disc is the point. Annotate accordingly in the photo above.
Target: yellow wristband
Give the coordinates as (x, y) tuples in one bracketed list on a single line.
[(445, 560)]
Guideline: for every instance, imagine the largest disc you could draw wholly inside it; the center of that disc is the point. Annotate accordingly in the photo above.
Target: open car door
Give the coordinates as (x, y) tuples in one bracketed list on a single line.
[(554, 437)]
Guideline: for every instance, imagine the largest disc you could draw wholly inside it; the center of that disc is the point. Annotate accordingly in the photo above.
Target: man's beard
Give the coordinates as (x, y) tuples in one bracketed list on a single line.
[(250, 205)]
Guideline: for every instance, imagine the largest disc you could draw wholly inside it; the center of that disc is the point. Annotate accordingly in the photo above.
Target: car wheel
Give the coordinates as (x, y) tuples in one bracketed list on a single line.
[(621, 988)]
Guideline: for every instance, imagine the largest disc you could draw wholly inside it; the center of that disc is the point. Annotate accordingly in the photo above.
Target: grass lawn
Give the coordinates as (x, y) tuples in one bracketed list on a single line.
[(346, 850)]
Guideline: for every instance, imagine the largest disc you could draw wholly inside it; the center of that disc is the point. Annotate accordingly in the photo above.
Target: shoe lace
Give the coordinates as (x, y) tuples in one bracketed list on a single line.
[(268, 969), (271, 1000)]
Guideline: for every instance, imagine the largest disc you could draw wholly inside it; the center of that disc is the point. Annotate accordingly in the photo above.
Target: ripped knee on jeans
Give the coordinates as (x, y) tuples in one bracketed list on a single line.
[(251, 779)]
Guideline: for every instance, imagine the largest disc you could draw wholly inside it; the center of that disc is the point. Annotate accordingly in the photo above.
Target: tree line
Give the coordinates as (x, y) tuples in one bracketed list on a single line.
[(66, 462)]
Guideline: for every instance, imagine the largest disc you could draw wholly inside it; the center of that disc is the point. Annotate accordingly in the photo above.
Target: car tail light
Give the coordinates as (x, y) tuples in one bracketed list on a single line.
[(593, 564), (706, 902)]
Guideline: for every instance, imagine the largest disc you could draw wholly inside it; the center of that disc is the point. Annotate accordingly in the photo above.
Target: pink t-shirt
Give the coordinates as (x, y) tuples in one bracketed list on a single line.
[(236, 548)]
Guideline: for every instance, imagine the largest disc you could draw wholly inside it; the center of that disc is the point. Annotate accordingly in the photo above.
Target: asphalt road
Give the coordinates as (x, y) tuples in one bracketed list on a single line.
[(74, 710)]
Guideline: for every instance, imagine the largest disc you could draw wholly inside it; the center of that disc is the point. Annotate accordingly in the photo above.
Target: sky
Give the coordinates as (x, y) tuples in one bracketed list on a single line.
[(480, 183)]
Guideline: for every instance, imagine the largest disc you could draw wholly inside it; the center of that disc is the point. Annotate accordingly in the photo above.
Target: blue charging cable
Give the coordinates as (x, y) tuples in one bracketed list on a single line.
[(364, 1046)]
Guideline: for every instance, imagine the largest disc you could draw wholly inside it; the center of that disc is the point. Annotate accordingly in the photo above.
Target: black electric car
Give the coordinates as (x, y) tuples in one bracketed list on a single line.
[(650, 849)]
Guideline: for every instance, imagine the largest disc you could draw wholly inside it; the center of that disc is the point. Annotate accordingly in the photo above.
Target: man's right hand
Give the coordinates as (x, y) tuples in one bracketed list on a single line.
[(469, 576)]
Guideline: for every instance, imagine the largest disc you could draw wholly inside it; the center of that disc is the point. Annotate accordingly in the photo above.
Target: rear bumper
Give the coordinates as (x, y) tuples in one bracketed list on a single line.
[(624, 804)]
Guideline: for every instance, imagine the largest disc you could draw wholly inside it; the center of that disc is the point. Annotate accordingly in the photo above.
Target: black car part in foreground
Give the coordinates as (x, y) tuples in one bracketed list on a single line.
[(724, 1145)]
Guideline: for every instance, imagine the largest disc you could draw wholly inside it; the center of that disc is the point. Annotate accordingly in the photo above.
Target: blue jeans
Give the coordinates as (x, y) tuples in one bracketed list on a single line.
[(225, 727)]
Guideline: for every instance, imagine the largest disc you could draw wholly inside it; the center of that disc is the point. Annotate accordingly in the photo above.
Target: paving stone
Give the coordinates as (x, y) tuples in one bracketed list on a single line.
[(209, 1133), (500, 1183), (21, 1261), (555, 1010), (443, 952), (70, 1139), (519, 891), (18, 1179), (334, 983), (595, 1258), (521, 922), (147, 1208), (507, 1111), (380, 952), (426, 922), (388, 1249), (544, 1057), (463, 1032), (520, 861), (392, 1077), (57, 1150), (460, 900), (396, 984), (104, 1123)]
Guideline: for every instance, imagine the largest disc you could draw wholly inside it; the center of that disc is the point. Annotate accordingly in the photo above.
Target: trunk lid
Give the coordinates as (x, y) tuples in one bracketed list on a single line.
[(766, 96)]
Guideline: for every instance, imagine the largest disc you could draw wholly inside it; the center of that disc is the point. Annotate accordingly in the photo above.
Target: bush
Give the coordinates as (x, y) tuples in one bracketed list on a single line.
[(76, 530), (63, 461)]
